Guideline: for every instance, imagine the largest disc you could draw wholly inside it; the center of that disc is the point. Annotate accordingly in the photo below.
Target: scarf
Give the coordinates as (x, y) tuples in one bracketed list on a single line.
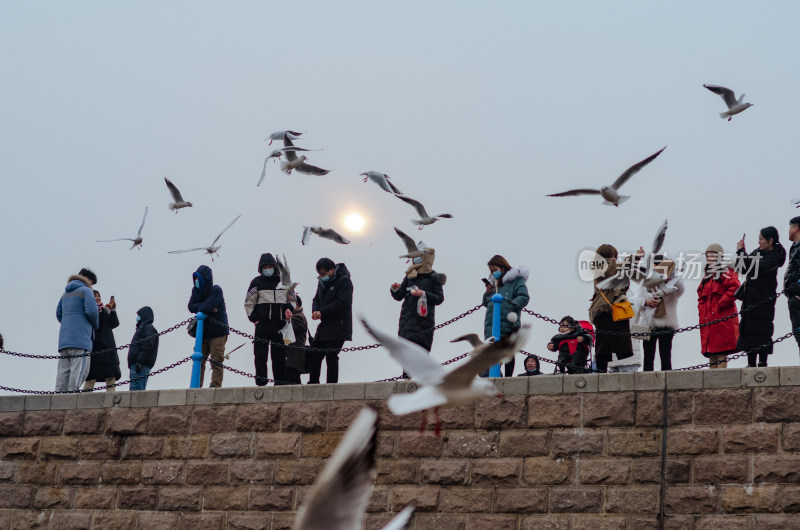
[(422, 268)]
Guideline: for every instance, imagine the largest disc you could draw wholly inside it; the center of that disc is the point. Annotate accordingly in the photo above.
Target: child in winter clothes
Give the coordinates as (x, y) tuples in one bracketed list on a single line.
[(572, 344)]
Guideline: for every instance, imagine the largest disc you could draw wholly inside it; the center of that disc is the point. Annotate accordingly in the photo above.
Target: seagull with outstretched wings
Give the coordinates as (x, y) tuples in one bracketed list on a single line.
[(137, 241), (212, 249)]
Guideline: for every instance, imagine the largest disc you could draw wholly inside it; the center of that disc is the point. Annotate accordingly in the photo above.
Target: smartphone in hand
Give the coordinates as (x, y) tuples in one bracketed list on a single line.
[(486, 282)]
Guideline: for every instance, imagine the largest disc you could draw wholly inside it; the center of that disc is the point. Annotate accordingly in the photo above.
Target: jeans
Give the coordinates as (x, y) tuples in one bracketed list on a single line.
[(72, 372), (139, 370), (331, 361), (664, 350)]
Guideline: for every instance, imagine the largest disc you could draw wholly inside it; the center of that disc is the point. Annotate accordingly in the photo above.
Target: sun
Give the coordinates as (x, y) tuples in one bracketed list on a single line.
[(355, 222)]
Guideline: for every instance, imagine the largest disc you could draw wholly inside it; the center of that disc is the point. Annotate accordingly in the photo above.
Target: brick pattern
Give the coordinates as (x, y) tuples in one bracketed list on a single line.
[(575, 460)]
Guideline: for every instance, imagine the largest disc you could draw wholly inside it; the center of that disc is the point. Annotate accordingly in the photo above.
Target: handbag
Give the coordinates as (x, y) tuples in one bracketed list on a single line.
[(619, 310), (191, 327)]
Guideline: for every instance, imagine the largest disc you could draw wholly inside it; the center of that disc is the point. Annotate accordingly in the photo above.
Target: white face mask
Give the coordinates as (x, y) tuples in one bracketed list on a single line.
[(197, 283), (268, 272), (417, 260)]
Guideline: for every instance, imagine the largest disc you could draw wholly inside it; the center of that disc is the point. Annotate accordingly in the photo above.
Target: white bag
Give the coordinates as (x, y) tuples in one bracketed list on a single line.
[(288, 333), (636, 327)]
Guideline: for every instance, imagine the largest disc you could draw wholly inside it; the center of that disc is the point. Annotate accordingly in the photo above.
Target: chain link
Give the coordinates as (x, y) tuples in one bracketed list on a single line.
[(98, 352)]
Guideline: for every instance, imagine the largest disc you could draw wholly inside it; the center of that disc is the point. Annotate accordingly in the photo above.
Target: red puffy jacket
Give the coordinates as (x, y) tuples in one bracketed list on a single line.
[(715, 299)]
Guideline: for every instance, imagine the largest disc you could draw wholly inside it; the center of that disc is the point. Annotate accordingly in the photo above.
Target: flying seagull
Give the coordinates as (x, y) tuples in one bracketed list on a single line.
[(283, 135), (438, 387), (228, 355), (424, 219), (177, 199), (137, 241), (298, 163), (734, 106), (286, 279), (611, 193), (326, 233), (339, 498), (413, 250), (645, 273), (211, 249), (276, 154), (382, 180)]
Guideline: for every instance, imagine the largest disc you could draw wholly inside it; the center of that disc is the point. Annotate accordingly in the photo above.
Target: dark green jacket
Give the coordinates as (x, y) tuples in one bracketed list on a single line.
[(515, 296)]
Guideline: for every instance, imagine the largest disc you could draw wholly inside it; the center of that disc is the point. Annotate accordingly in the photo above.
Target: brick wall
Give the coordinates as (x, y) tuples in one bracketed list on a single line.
[(558, 452)]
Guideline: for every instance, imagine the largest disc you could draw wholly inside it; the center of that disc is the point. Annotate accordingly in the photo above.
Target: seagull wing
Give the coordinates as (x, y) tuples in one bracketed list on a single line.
[(333, 235), (291, 155), (401, 521), (425, 398), (396, 192), (306, 235), (286, 279), (416, 204), (176, 194), (571, 193), (407, 241), (727, 94), (339, 498), (308, 169), (473, 339), (658, 242), (486, 358), (634, 169), (263, 172), (614, 282), (139, 233), (412, 357), (183, 251), (112, 240), (226, 228)]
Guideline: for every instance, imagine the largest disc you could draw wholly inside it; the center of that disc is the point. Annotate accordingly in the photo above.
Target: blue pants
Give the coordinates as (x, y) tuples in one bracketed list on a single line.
[(143, 372)]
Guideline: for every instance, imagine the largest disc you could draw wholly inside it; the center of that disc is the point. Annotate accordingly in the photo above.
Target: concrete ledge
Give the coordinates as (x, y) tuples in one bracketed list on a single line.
[(766, 376), (649, 380), (229, 395), (345, 391), (685, 380), (722, 378), (91, 400), (37, 402), (117, 399), (200, 396), (379, 390), (790, 375), (63, 401), (580, 383), (546, 384), (12, 403), (511, 386), (259, 394), (144, 398), (317, 392), (171, 398), (286, 393), (616, 382)]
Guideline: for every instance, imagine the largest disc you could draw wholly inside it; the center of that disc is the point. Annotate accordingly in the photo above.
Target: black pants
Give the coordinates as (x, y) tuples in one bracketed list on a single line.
[(794, 315), (573, 364), (331, 356), (664, 350), (261, 352), (292, 376)]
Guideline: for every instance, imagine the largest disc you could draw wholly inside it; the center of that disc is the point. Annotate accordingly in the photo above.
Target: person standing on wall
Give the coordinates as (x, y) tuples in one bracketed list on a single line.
[(333, 308), (144, 349), (208, 299), (104, 366), (716, 298), (510, 283), (79, 318), (791, 280)]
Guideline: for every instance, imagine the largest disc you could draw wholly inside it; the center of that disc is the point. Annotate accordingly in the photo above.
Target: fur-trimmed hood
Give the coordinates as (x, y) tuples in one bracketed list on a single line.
[(439, 277), (86, 281), (516, 272)]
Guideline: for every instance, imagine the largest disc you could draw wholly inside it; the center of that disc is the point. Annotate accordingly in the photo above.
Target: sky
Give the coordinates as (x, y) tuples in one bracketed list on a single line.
[(475, 109)]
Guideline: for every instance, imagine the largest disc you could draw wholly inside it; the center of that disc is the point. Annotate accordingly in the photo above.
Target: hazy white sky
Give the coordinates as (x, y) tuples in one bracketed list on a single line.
[(474, 109)]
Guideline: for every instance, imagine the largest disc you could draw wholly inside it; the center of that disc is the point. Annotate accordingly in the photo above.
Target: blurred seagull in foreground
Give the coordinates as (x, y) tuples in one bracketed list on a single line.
[(178, 201), (283, 135), (137, 241), (276, 154), (382, 180), (734, 106), (339, 498), (211, 249), (425, 219), (293, 162), (438, 387), (611, 193), (286, 279), (326, 233), (413, 250)]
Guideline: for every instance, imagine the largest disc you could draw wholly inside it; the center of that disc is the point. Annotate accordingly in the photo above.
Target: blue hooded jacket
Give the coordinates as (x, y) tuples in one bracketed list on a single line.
[(206, 299), (77, 312)]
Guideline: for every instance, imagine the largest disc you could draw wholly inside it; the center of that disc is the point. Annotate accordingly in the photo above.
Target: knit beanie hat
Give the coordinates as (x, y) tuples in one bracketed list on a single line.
[(715, 247)]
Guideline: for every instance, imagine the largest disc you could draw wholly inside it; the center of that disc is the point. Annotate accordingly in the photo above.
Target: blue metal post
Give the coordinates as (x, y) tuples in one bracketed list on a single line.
[(197, 356), (497, 300)]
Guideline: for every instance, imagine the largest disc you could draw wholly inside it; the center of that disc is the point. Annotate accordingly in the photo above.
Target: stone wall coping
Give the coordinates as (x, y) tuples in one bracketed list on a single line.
[(774, 376)]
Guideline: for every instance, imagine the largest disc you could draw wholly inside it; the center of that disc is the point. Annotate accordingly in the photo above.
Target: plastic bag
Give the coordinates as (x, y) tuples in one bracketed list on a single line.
[(422, 305), (288, 333)]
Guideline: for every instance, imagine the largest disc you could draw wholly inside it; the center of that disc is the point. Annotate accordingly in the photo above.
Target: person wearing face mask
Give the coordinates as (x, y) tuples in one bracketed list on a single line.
[(104, 366), (760, 268), (420, 291), (509, 282), (144, 349), (268, 307), (791, 280), (296, 353), (208, 299), (333, 308)]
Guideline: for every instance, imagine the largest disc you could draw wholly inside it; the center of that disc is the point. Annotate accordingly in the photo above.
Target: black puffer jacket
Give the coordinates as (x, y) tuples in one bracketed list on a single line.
[(266, 301), (106, 364), (756, 325), (413, 327), (791, 280), (208, 299), (145, 348), (334, 300)]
